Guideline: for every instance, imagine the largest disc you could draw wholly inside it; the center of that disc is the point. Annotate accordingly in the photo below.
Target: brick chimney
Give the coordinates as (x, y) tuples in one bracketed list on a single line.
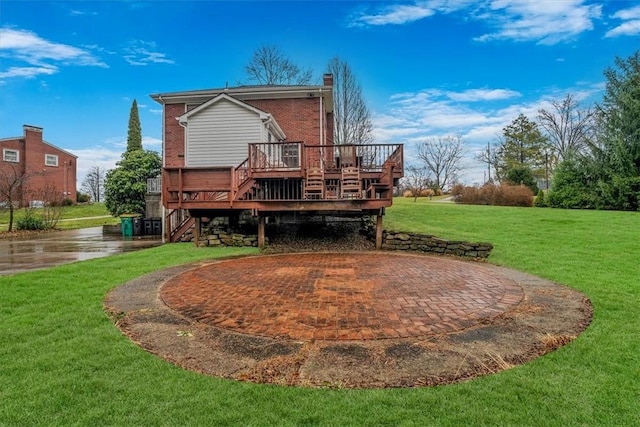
[(32, 133), (327, 79)]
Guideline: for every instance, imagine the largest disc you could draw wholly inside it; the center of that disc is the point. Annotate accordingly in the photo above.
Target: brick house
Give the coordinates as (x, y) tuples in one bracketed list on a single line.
[(268, 150), (42, 166)]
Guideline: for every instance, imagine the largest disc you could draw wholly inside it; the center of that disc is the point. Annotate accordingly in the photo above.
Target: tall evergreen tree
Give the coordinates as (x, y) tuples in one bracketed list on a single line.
[(609, 178), (620, 115), (134, 135), (619, 135), (522, 145)]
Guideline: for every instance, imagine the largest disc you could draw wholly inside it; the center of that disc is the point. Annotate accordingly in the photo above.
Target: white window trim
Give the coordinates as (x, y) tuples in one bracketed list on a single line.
[(50, 156), (9, 150)]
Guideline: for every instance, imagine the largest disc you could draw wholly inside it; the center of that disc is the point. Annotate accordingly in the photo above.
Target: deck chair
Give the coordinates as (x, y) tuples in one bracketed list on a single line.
[(350, 184), (314, 183), (346, 156)]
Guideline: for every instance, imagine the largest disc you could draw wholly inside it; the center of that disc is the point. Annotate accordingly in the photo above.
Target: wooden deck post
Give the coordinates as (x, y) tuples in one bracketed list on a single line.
[(261, 223), (379, 229), (196, 231)]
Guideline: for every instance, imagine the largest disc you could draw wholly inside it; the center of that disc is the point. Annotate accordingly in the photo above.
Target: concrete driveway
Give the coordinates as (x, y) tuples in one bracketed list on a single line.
[(61, 247)]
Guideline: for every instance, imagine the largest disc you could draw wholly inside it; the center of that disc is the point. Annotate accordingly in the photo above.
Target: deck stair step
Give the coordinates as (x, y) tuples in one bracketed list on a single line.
[(176, 234)]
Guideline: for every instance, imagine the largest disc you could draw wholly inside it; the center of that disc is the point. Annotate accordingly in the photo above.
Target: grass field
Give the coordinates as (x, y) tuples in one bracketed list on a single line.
[(72, 217), (62, 362)]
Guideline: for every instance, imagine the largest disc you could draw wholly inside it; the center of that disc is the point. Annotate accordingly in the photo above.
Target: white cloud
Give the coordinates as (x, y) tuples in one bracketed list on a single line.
[(107, 154), (77, 12), (28, 72), (483, 95), (101, 156), (547, 22), (396, 15), (630, 25), (412, 118), (150, 143), (400, 14), (141, 52), (626, 14), (42, 56)]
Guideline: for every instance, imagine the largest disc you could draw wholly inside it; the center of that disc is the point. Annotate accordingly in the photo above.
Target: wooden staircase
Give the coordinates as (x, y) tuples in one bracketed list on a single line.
[(384, 186)]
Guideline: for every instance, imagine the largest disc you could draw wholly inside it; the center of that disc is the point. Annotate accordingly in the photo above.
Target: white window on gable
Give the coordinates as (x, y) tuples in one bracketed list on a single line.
[(9, 155), (50, 160)]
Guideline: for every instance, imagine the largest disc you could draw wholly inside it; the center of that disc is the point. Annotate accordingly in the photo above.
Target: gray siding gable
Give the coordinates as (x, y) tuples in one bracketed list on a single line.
[(218, 132)]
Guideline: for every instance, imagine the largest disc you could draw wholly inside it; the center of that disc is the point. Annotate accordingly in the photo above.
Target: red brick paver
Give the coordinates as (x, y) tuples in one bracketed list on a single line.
[(338, 296)]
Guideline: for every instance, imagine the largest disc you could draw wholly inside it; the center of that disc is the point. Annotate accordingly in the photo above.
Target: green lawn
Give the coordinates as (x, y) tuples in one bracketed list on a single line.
[(62, 362), (72, 217)]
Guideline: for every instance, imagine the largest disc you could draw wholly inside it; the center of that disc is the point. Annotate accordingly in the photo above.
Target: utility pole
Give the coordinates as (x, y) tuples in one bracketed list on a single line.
[(488, 161), (546, 169)]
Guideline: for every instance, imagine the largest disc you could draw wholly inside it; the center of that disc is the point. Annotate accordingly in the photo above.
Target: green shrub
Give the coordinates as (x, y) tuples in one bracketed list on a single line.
[(522, 175), (574, 186), (31, 222), (82, 198), (540, 201)]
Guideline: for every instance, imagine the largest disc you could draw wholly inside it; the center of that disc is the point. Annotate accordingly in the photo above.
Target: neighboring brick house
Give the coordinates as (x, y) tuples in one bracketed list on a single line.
[(43, 166)]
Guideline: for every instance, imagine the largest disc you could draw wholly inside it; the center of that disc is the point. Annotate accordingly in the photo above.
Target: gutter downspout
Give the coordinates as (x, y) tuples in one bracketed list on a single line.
[(163, 223), (322, 141)]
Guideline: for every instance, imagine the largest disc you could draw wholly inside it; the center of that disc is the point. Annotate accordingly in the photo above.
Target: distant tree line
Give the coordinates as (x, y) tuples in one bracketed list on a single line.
[(591, 155)]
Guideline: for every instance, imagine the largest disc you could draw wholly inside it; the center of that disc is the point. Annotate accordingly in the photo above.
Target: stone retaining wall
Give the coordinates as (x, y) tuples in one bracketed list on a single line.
[(218, 232), (400, 241)]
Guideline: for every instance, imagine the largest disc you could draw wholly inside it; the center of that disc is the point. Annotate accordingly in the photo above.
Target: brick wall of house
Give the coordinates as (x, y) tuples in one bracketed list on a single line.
[(13, 144), (40, 177), (62, 177), (173, 135), (9, 170), (299, 118)]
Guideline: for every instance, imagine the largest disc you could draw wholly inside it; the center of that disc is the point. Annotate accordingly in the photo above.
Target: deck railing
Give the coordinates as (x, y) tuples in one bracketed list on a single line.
[(154, 185), (240, 176), (264, 156), (368, 157), (276, 171)]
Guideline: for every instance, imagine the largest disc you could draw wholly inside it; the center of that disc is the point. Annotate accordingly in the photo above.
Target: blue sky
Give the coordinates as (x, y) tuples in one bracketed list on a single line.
[(427, 68)]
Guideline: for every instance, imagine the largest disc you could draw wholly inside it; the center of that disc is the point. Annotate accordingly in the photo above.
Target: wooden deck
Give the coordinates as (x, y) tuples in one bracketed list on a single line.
[(275, 177), (268, 180)]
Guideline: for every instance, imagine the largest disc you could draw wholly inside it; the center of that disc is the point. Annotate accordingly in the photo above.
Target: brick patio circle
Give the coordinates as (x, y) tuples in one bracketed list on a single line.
[(341, 296)]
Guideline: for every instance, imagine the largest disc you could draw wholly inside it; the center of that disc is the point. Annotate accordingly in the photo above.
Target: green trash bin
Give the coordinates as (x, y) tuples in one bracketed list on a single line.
[(127, 226)]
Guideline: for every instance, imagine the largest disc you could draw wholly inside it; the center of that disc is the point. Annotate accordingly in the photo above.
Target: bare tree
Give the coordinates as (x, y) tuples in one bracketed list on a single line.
[(569, 129), (351, 115), (93, 183), (416, 180), (45, 214), (489, 158), (442, 157), (269, 66), (12, 184), (53, 206)]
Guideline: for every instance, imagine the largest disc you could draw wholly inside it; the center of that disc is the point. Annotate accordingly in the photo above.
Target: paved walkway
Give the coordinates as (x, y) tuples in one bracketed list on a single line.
[(319, 296), (47, 249)]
